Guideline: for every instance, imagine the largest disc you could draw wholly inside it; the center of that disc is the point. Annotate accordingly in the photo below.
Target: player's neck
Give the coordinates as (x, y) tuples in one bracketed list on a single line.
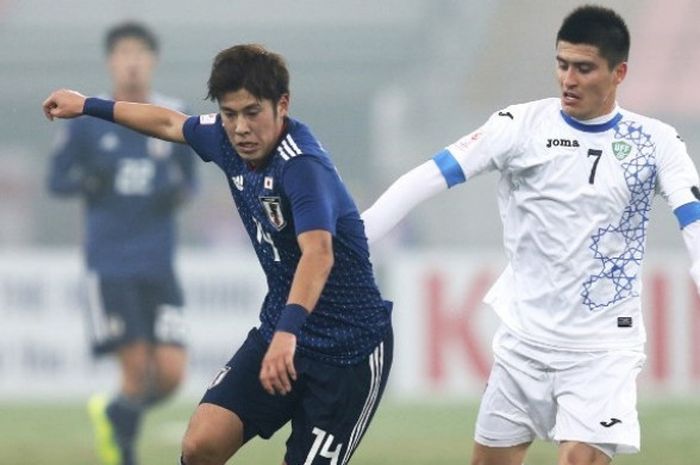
[(607, 116)]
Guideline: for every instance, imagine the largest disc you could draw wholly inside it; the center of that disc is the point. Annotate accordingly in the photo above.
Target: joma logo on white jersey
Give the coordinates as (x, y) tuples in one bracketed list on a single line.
[(561, 143)]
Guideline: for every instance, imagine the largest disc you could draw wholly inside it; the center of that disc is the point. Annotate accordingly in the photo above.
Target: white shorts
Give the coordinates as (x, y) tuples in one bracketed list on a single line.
[(588, 397)]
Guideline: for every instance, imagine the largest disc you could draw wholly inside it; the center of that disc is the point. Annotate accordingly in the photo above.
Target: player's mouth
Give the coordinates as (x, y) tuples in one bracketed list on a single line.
[(570, 98), (246, 147)]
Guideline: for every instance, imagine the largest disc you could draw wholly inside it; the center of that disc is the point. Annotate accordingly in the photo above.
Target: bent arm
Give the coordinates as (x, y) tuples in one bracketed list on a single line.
[(691, 237), (313, 268), (417, 185), (277, 370)]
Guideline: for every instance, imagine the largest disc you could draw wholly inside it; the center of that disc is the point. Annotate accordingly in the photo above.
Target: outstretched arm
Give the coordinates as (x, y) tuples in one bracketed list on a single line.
[(691, 237), (417, 185), (148, 119)]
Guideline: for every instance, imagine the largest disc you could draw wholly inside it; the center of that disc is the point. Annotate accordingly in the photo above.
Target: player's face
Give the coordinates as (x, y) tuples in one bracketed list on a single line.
[(253, 126), (131, 64), (588, 85)]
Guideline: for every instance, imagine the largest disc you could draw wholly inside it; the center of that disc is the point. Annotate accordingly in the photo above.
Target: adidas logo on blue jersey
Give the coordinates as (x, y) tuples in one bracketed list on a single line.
[(238, 181)]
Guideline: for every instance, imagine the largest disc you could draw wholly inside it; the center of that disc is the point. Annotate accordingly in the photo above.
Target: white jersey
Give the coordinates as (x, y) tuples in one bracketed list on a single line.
[(575, 200)]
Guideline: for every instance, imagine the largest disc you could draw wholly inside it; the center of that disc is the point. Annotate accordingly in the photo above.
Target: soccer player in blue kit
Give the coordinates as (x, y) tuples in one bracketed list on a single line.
[(132, 187), (322, 353)]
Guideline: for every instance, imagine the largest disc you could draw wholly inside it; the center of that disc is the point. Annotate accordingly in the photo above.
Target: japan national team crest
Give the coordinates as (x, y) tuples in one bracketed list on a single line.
[(273, 208), (621, 149)]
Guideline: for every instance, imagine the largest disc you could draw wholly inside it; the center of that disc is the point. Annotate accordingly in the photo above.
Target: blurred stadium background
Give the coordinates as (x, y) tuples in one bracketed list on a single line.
[(384, 85)]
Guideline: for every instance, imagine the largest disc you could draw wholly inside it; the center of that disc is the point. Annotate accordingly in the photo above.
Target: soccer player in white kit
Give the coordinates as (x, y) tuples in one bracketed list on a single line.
[(578, 175)]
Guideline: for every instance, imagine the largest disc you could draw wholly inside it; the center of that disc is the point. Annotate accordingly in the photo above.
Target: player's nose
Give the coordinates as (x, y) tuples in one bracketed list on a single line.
[(240, 126), (569, 78)]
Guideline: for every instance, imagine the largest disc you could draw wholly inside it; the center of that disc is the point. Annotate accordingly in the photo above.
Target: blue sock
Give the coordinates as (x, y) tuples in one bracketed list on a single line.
[(125, 414)]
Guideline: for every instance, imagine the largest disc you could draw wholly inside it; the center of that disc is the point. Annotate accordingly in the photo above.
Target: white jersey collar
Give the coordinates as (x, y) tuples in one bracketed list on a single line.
[(597, 124)]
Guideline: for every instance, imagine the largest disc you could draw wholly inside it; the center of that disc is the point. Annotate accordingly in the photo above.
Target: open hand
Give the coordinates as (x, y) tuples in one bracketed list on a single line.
[(63, 103), (277, 371)]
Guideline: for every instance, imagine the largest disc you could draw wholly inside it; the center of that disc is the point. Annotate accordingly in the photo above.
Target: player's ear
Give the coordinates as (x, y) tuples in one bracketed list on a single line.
[(620, 72), (283, 105)]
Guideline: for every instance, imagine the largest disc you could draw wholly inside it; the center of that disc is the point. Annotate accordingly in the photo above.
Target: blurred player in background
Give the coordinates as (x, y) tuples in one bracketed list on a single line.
[(578, 175), (132, 187), (322, 353)]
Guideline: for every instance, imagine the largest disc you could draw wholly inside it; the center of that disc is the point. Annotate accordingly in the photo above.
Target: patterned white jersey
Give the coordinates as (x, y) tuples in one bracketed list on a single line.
[(574, 200)]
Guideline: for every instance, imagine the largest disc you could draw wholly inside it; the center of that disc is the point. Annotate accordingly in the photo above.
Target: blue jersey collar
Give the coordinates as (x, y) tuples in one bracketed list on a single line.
[(601, 127)]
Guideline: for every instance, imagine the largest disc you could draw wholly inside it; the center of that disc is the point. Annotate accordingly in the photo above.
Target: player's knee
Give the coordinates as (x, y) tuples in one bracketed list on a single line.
[(167, 383), (198, 450), (573, 453)]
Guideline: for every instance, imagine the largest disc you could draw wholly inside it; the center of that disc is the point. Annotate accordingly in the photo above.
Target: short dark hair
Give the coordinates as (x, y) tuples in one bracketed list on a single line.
[(130, 29), (251, 67), (600, 27)]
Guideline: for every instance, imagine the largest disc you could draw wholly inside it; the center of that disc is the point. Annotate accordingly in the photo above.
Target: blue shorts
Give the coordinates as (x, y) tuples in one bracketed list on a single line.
[(122, 310), (329, 406)]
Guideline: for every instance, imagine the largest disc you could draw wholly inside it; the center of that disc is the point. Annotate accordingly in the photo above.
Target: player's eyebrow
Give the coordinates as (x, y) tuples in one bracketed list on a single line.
[(252, 106), (574, 62)]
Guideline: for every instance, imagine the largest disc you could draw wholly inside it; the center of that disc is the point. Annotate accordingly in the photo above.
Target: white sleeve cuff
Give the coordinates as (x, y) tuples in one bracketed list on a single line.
[(691, 237)]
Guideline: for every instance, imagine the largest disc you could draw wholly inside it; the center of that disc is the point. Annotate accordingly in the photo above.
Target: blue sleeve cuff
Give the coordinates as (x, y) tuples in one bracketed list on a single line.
[(688, 213), (449, 168), (198, 136)]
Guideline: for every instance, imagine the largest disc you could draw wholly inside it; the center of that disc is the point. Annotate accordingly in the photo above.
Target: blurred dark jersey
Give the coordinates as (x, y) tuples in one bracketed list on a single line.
[(131, 184)]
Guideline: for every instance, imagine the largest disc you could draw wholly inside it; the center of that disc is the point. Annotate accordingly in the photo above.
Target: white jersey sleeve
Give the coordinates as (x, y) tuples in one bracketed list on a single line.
[(488, 148), (691, 237), (678, 184), (417, 185), (676, 171), (491, 147)]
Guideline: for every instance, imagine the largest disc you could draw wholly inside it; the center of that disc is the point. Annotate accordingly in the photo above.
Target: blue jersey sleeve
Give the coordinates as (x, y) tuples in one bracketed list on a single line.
[(312, 190), (66, 173), (202, 134), (185, 159)]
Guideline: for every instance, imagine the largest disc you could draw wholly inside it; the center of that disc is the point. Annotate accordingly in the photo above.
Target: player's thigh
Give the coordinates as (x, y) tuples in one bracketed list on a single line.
[(337, 406), (597, 402), (237, 388), (114, 312), (169, 363), (516, 406), (213, 435), (163, 303), (485, 455)]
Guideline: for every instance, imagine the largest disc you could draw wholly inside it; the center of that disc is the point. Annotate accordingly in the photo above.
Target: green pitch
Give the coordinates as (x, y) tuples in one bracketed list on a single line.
[(402, 433)]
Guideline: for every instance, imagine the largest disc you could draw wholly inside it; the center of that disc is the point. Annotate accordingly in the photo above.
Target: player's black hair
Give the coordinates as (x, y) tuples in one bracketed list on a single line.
[(130, 29), (600, 27), (251, 67)]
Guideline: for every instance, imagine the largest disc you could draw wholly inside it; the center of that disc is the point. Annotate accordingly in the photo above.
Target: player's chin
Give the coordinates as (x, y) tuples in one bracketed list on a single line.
[(248, 155), (572, 109)]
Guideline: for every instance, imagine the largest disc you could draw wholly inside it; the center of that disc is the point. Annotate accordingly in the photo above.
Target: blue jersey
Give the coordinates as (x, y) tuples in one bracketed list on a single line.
[(131, 185), (298, 189)]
